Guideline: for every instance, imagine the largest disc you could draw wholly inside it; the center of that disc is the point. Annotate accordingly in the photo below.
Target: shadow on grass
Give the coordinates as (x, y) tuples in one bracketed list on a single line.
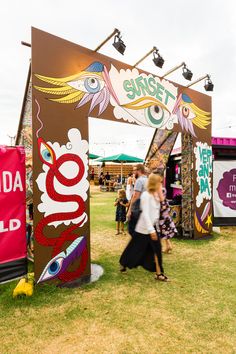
[(203, 242), (49, 294)]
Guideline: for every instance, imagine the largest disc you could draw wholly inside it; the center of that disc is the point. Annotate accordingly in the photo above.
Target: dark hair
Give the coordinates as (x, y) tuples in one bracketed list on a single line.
[(140, 167)]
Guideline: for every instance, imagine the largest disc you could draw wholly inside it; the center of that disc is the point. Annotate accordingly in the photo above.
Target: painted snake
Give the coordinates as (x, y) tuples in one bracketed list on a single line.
[(58, 243)]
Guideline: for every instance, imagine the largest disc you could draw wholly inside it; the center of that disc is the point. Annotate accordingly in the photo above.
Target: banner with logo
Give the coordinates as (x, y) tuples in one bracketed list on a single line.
[(13, 261), (224, 192)]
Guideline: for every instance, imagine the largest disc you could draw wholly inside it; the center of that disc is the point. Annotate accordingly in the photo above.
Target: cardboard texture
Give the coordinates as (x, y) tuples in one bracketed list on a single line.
[(70, 83)]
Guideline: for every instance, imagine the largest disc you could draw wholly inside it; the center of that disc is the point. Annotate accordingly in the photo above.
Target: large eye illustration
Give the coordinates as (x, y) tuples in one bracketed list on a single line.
[(46, 153), (52, 269), (156, 116), (186, 112), (90, 84)]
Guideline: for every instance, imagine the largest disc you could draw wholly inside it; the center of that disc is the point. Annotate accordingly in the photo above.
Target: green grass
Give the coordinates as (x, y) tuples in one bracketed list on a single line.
[(131, 313)]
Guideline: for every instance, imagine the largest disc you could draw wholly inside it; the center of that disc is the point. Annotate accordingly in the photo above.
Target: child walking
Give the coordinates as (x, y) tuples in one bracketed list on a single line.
[(121, 204)]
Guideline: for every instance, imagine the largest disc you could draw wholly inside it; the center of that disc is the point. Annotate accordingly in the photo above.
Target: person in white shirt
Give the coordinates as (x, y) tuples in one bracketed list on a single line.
[(145, 248), (139, 188)]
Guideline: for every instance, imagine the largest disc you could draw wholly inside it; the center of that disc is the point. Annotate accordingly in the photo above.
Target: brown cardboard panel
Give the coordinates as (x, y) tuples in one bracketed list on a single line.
[(70, 83)]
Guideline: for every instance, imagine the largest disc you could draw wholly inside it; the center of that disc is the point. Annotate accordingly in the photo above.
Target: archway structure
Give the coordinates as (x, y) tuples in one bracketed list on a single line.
[(70, 83)]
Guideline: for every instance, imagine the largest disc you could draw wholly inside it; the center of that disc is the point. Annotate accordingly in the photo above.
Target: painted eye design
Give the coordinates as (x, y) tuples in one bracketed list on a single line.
[(52, 269), (46, 153), (61, 261), (89, 84), (92, 85), (156, 116), (186, 112)]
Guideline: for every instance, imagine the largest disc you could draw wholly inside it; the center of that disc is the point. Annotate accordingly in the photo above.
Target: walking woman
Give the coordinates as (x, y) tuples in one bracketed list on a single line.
[(145, 248)]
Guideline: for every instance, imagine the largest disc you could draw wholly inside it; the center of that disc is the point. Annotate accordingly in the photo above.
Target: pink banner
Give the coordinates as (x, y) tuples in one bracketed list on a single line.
[(12, 204)]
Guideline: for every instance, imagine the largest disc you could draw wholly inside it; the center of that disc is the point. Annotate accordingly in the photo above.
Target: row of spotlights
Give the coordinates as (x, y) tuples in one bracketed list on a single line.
[(159, 61)]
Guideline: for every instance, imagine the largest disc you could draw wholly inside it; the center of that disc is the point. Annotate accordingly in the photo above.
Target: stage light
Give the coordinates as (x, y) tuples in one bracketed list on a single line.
[(187, 74), (208, 84), (157, 59), (173, 69), (119, 44)]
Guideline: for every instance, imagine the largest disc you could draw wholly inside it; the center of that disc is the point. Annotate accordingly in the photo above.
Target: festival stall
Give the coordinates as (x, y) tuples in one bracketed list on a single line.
[(224, 181)]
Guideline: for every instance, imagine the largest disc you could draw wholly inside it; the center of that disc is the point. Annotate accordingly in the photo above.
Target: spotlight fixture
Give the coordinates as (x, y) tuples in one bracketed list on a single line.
[(187, 74), (174, 69), (208, 84), (119, 44), (157, 59)]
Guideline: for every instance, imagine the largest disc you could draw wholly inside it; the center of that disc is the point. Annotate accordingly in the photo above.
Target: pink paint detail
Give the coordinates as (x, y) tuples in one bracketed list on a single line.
[(206, 211), (177, 191), (177, 104), (223, 141), (107, 80), (176, 151)]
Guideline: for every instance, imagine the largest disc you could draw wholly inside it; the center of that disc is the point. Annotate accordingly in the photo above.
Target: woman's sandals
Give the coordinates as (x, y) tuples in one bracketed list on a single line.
[(162, 277)]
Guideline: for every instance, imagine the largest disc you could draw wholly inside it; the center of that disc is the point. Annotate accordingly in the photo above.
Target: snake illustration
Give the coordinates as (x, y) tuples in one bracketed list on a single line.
[(58, 244)]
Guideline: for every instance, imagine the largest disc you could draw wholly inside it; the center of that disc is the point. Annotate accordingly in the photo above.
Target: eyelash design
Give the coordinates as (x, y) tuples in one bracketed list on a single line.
[(155, 112), (60, 263), (189, 114), (92, 84)]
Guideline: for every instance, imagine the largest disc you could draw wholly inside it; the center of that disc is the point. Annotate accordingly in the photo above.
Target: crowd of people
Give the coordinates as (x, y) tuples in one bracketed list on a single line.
[(144, 206)]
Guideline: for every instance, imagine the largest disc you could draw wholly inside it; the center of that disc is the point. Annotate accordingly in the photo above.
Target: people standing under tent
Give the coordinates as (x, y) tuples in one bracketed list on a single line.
[(107, 176), (107, 179), (92, 174), (101, 179), (121, 203), (139, 188), (117, 181), (145, 248)]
